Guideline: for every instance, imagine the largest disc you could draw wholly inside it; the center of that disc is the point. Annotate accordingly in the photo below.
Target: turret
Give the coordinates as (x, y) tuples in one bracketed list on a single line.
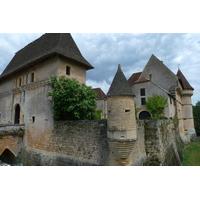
[(185, 111), (121, 128)]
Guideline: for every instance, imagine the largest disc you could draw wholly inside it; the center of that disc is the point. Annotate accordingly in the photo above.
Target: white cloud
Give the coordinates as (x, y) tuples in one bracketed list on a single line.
[(132, 51), (102, 84)]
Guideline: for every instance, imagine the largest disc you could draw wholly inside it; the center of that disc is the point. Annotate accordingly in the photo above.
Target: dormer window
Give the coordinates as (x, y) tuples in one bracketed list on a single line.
[(67, 70)]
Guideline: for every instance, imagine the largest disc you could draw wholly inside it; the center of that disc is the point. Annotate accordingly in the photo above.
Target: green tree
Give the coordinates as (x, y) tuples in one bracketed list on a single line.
[(196, 114), (156, 105), (72, 100)]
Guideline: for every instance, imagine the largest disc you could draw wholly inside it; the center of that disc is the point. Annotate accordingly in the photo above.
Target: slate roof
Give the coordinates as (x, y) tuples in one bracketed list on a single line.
[(185, 84), (156, 65), (134, 78), (49, 44), (101, 94), (120, 86)]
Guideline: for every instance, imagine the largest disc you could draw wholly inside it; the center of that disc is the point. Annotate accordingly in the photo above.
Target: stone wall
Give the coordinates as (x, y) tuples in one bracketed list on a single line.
[(71, 143), (162, 142), (86, 143)]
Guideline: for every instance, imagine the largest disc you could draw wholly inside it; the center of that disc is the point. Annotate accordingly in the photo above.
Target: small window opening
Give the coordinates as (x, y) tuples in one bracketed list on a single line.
[(143, 101), (142, 92), (33, 119), (67, 70), (26, 78), (127, 110), (20, 81), (32, 77)]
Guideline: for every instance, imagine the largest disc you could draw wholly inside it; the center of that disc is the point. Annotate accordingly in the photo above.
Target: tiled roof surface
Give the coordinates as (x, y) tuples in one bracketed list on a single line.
[(185, 84), (47, 45), (120, 86), (101, 94), (142, 79), (134, 78)]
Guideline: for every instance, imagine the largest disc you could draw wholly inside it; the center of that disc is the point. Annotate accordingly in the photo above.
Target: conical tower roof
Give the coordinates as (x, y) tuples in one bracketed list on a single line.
[(47, 45), (185, 84), (120, 86)]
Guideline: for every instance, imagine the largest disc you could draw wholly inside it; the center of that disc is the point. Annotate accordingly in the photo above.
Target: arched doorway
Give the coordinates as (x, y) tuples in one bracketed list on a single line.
[(144, 115), (8, 157), (17, 114)]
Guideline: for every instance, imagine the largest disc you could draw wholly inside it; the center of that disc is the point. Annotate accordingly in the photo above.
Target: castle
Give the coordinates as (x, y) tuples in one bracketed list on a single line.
[(156, 78), (28, 129)]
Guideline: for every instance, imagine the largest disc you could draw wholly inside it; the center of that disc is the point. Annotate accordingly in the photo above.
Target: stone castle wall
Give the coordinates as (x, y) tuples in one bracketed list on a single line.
[(70, 143), (86, 143), (162, 143)]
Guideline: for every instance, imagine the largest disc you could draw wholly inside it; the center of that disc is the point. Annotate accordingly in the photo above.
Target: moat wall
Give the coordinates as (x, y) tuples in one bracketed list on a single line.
[(85, 143)]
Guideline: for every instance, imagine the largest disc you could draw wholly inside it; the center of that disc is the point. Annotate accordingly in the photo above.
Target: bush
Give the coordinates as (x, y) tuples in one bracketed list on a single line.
[(72, 100), (156, 105), (98, 114)]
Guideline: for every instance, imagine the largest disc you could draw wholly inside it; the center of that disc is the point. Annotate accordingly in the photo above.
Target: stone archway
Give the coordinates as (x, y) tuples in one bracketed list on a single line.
[(8, 157), (144, 115), (17, 114)]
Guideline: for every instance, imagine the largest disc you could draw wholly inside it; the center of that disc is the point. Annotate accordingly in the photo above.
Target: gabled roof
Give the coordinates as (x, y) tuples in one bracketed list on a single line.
[(49, 44), (185, 84), (120, 86), (101, 94), (134, 78), (159, 73)]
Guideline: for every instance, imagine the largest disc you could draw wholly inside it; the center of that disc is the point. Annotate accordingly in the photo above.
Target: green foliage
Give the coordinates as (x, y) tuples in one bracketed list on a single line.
[(156, 105), (98, 114), (196, 114), (72, 100)]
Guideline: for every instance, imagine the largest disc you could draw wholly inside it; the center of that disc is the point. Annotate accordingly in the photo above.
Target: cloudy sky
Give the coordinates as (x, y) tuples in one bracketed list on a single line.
[(106, 50)]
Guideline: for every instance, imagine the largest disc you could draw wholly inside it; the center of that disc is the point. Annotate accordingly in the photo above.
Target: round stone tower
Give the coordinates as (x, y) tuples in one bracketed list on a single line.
[(185, 110), (121, 121)]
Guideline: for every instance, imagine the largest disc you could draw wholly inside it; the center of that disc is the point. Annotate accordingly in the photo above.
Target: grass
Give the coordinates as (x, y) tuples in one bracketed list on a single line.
[(192, 154)]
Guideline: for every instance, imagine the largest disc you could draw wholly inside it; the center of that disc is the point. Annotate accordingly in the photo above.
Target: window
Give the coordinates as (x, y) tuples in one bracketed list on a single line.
[(143, 101), (127, 110), (26, 78), (32, 77), (20, 81), (67, 70), (33, 119), (142, 92)]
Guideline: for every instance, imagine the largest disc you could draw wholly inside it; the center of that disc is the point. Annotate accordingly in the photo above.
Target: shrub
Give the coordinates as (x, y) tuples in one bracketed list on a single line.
[(156, 105), (72, 100)]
